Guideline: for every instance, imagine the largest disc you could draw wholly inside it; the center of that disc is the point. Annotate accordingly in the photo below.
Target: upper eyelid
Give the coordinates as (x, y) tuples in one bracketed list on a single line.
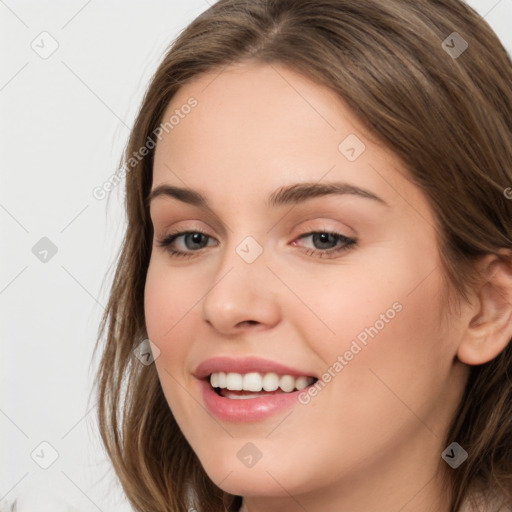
[(310, 219), (306, 202), (320, 224)]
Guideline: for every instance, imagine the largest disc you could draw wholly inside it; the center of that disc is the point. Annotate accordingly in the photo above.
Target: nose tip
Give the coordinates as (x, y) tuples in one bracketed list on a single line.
[(243, 299)]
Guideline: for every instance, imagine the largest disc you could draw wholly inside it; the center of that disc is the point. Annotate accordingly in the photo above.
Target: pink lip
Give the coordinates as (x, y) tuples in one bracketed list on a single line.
[(246, 365), (251, 409)]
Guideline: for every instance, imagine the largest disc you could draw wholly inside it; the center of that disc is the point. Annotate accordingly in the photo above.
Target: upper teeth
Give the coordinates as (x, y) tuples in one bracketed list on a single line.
[(255, 381)]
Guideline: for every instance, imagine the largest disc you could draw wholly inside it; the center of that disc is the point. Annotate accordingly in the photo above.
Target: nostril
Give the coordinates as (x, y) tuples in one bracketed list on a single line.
[(248, 322)]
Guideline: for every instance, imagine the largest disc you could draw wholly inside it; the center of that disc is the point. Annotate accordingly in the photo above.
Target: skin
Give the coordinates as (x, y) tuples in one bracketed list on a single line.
[(372, 438)]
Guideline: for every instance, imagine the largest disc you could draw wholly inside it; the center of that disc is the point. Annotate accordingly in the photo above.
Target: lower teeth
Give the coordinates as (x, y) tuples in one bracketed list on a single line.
[(244, 395), (241, 397)]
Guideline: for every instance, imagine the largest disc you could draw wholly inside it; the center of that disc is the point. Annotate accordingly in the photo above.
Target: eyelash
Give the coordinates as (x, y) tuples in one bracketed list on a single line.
[(319, 253)]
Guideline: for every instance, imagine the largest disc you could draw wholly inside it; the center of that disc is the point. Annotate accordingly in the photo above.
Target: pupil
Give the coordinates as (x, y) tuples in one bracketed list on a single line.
[(323, 239), (196, 239)]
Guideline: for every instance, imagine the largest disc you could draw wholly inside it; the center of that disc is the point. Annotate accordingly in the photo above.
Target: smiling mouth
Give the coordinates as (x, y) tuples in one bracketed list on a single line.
[(256, 384)]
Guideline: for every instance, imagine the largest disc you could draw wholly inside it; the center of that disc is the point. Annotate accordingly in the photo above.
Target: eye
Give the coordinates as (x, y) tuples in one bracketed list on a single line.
[(326, 244), (188, 241), (185, 243)]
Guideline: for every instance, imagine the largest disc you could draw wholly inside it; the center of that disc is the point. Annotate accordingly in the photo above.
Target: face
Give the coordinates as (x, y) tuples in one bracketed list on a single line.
[(312, 257)]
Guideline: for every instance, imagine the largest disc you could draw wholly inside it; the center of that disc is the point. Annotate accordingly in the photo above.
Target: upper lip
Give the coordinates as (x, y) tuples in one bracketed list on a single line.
[(245, 365)]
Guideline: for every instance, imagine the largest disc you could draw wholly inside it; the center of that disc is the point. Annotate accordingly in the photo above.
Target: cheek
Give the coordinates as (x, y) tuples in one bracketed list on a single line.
[(169, 297), (170, 305), (366, 305), (169, 301), (383, 318)]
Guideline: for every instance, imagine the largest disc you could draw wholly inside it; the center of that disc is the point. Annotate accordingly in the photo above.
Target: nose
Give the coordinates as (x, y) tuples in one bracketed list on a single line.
[(242, 296)]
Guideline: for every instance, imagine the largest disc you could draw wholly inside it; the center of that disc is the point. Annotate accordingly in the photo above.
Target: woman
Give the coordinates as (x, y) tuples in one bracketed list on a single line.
[(319, 249)]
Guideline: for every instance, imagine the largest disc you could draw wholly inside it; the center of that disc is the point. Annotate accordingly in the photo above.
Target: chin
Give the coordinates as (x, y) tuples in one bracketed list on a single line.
[(250, 483), (269, 478)]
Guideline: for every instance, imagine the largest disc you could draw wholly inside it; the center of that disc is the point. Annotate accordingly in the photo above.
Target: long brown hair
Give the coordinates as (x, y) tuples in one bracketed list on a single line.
[(448, 116)]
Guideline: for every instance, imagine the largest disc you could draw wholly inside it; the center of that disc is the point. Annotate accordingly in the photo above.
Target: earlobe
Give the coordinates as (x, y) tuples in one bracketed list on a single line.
[(489, 330)]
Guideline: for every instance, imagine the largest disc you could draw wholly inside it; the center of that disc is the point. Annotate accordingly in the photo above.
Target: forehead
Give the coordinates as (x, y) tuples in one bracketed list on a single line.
[(254, 108), (256, 127)]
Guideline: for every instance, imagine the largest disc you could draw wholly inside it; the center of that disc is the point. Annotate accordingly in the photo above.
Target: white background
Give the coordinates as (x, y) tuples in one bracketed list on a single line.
[(64, 121)]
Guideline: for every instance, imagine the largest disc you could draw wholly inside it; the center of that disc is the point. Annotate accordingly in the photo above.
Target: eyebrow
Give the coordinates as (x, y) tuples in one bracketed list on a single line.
[(291, 194)]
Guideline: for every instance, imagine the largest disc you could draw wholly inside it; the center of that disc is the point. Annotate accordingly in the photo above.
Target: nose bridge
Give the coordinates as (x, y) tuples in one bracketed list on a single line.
[(241, 291), (244, 256)]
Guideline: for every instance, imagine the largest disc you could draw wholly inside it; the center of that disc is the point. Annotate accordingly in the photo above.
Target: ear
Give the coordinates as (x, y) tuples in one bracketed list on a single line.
[(489, 329)]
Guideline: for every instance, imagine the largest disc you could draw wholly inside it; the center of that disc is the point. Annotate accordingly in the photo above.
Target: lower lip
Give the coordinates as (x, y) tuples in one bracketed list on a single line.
[(246, 410)]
